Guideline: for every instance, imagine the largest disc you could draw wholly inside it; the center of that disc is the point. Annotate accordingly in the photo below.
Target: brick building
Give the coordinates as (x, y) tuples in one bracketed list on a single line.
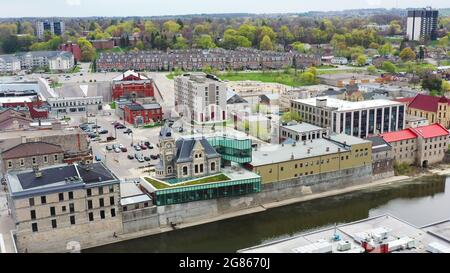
[(132, 85), (139, 114), (434, 109), (102, 44), (73, 48)]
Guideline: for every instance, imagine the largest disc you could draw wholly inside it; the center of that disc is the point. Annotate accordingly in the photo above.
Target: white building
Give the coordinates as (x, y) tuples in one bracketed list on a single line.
[(75, 104), (9, 64), (201, 97), (54, 60), (359, 118), (422, 24), (339, 60), (55, 28)]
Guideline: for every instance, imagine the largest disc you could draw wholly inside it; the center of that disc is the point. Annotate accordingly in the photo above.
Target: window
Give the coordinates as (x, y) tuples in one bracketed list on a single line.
[(101, 202), (111, 189), (22, 162), (111, 200), (54, 223), (89, 204), (34, 227), (10, 164), (43, 200), (185, 170), (100, 190), (71, 208), (52, 211), (33, 159), (113, 212), (282, 168), (61, 196), (63, 208), (70, 195), (213, 166), (91, 216), (124, 208), (88, 192), (33, 214), (102, 214), (72, 220), (31, 201), (45, 159)]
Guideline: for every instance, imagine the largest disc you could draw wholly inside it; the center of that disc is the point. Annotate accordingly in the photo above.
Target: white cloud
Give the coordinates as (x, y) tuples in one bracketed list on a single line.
[(73, 2), (374, 2)]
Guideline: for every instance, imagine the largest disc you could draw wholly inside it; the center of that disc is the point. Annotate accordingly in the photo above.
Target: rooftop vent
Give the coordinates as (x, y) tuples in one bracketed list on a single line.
[(292, 156), (294, 144), (327, 149)]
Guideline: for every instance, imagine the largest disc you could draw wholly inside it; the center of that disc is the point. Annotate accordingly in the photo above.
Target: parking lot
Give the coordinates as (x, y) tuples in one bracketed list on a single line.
[(119, 162)]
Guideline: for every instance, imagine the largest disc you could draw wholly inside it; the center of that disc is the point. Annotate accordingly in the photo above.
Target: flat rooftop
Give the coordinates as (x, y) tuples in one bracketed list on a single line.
[(396, 234), (343, 105), (345, 76), (302, 127), (269, 154), (347, 139), (40, 133)]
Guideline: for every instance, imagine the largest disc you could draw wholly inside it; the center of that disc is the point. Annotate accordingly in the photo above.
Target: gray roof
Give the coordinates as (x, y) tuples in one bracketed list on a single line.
[(151, 106), (58, 178), (302, 127), (47, 54), (166, 132), (379, 144), (134, 107), (347, 139), (185, 146)]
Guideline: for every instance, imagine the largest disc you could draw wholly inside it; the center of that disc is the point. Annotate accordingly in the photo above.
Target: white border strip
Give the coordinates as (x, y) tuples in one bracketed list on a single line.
[(2, 244)]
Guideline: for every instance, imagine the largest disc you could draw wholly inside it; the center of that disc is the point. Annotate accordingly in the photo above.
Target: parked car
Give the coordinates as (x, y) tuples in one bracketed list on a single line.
[(137, 155), (128, 131), (110, 138), (116, 146), (154, 157), (141, 159), (109, 147), (92, 135), (98, 158), (103, 132), (123, 149), (117, 150), (143, 147), (131, 157), (120, 126), (137, 147), (147, 158), (148, 144), (96, 126)]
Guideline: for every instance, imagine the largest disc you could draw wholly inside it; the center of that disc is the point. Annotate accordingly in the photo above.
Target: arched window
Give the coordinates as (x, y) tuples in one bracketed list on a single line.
[(185, 170), (213, 166)]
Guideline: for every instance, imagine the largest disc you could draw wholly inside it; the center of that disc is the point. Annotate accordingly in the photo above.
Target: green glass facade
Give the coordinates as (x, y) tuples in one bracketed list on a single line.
[(207, 191), (234, 150)]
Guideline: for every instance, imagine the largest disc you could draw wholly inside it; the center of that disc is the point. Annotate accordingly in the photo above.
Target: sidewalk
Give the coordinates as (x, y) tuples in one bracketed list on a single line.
[(6, 225)]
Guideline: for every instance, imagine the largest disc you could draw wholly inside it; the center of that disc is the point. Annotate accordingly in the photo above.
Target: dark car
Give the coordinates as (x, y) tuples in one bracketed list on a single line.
[(147, 158), (130, 157), (109, 148), (123, 149), (120, 126), (154, 157), (103, 132), (143, 147), (96, 126), (148, 144), (128, 131), (110, 138), (92, 135)]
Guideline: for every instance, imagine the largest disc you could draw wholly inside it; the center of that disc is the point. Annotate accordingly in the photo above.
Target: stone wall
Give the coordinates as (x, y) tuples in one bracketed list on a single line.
[(140, 219)]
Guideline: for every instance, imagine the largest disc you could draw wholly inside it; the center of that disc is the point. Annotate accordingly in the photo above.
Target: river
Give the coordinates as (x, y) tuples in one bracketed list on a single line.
[(419, 202)]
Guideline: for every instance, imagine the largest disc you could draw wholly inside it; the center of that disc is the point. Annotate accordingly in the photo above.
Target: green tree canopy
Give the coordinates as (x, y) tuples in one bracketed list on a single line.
[(407, 54), (389, 67), (205, 41), (266, 43), (87, 50)]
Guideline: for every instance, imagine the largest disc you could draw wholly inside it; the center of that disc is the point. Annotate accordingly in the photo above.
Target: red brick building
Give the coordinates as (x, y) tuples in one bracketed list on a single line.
[(102, 44), (73, 48), (132, 85), (136, 113)]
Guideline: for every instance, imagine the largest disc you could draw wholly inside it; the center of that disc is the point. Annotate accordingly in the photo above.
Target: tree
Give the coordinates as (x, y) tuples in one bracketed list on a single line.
[(361, 60), (232, 39), (394, 27), (266, 43), (389, 67), (266, 31), (286, 35), (432, 82), (371, 69), (308, 78), (87, 50), (290, 116), (407, 54), (445, 86), (385, 49), (300, 47), (140, 45), (149, 27), (205, 41), (248, 31), (180, 43), (172, 26)]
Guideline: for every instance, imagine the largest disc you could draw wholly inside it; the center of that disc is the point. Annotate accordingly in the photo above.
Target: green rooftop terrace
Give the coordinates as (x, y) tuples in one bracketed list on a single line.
[(159, 185)]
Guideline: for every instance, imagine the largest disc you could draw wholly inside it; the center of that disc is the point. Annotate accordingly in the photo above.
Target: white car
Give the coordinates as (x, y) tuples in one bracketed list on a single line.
[(121, 146), (117, 150)]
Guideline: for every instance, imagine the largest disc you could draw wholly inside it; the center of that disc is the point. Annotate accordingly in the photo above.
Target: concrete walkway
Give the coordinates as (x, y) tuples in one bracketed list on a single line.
[(6, 225)]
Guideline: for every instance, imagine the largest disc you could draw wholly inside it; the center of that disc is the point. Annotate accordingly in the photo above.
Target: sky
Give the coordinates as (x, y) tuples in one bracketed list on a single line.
[(85, 8)]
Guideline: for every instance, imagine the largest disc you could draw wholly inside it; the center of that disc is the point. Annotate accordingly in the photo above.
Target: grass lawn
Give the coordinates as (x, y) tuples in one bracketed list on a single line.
[(279, 77), (56, 85), (404, 68), (325, 66), (211, 179)]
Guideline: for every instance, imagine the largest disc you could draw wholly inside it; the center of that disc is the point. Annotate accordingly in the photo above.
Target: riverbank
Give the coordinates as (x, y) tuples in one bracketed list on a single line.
[(261, 208)]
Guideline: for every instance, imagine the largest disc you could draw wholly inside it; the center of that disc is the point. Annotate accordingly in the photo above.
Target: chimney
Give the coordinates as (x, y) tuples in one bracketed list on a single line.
[(327, 149), (309, 150), (292, 156), (24, 139), (37, 172)]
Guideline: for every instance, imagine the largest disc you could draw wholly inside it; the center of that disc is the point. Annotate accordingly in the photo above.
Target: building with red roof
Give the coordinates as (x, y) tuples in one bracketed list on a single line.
[(132, 85), (422, 145), (435, 109)]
